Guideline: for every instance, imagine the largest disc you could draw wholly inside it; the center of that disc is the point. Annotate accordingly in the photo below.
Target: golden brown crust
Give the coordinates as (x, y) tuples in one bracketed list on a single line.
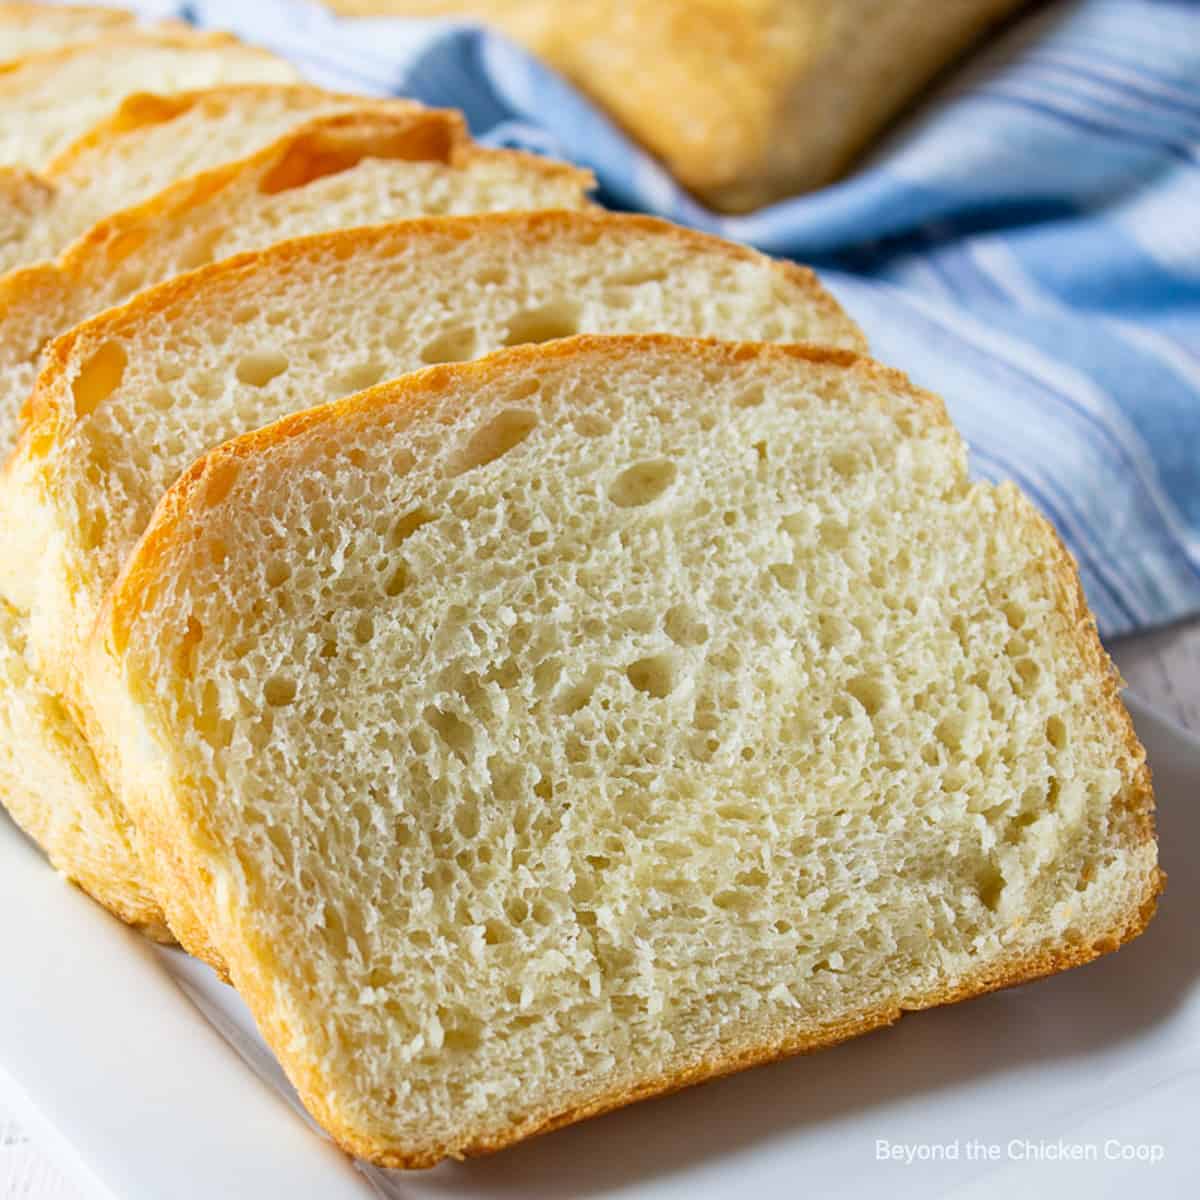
[(375, 130), (17, 12), (406, 397), (142, 109), (121, 39), (40, 12)]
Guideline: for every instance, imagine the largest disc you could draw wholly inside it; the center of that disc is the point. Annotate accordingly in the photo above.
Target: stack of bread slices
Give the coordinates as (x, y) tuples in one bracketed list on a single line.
[(533, 653)]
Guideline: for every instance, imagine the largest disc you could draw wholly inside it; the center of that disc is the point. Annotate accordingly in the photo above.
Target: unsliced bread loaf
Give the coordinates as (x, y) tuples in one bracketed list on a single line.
[(127, 401), (48, 100), (745, 101), (333, 172), (34, 28), (147, 144), (539, 734)]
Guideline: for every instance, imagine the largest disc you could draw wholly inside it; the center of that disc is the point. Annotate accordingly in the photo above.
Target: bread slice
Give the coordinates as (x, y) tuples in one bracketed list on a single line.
[(128, 400), (48, 100), (148, 143), (540, 734), (745, 101), (339, 171), (34, 28)]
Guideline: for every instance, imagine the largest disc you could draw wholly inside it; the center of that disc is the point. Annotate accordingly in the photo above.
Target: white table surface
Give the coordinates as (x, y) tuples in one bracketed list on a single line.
[(1163, 668)]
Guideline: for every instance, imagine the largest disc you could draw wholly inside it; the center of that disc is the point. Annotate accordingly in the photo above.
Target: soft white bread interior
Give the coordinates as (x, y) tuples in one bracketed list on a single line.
[(48, 100), (147, 144), (352, 168), (34, 28), (129, 399), (542, 733)]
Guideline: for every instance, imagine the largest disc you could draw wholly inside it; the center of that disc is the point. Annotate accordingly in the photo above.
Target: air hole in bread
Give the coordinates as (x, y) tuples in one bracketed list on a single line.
[(543, 324), (1014, 614), (186, 654), (592, 425), (455, 345), (684, 627), (845, 462), (797, 524), (834, 535), (1056, 733), (455, 732), (643, 483), (257, 370), (1028, 673), (397, 581), (990, 886), (408, 524), (736, 902), (501, 434), (751, 397), (654, 675), (100, 377), (950, 731), (871, 693), (278, 572), (787, 575), (462, 1038), (466, 820), (279, 691)]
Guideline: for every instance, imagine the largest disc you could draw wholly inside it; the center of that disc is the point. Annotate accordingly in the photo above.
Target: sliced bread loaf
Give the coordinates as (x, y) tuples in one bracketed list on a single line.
[(337, 171), (540, 734), (353, 168), (128, 400), (34, 28), (48, 100), (147, 144)]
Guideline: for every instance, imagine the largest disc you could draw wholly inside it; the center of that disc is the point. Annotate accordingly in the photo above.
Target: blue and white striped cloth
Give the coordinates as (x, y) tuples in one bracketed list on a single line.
[(1028, 245)]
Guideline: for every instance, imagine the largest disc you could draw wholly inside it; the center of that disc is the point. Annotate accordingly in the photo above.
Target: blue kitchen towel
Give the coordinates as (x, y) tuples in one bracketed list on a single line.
[(1027, 244)]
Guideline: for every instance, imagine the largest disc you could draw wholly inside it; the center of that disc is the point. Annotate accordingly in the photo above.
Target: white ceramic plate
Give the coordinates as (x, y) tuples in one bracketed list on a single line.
[(1087, 1084)]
